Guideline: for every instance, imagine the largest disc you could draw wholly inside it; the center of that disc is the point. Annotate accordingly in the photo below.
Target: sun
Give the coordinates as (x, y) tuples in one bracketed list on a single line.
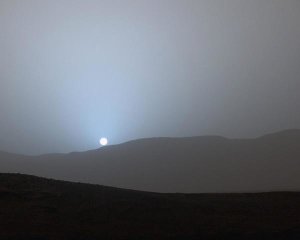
[(103, 141)]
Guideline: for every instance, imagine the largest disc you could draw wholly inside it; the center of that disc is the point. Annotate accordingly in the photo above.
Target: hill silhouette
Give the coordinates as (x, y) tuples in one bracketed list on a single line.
[(196, 164), (44, 209)]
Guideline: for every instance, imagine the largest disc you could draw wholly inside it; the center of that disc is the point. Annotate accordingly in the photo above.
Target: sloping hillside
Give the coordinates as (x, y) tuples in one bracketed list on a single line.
[(197, 164), (38, 208)]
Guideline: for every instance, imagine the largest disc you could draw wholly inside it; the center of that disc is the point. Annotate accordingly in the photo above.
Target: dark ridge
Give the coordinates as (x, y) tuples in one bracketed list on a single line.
[(191, 165), (39, 208), (288, 133)]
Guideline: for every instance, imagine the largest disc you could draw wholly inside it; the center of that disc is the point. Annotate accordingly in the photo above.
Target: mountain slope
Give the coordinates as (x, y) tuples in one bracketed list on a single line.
[(197, 164), (37, 208)]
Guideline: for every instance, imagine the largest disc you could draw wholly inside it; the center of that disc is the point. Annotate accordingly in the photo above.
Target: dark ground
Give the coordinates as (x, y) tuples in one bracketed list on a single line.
[(38, 208)]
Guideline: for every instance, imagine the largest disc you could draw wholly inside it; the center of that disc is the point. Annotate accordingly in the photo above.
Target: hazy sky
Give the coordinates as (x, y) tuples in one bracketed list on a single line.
[(72, 71)]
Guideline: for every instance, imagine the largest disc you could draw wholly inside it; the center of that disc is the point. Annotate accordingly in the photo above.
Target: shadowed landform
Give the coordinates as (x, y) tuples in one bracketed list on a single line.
[(205, 164), (44, 209)]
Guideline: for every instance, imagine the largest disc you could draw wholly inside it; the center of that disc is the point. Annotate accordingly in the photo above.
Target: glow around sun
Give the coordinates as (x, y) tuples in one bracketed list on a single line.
[(103, 141)]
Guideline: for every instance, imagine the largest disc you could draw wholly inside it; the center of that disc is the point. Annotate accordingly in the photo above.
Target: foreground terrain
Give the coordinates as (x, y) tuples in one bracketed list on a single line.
[(38, 208)]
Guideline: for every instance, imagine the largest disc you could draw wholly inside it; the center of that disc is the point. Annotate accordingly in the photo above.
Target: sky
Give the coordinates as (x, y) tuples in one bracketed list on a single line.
[(72, 71)]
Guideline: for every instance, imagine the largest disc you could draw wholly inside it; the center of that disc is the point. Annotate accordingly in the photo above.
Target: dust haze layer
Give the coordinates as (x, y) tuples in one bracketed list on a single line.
[(197, 164), (73, 71)]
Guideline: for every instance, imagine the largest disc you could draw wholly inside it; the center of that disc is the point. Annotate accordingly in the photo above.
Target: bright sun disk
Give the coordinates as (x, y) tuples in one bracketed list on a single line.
[(103, 141)]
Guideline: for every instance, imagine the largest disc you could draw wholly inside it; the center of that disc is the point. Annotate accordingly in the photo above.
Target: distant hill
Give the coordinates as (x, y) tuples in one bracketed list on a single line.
[(196, 164), (36, 208)]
